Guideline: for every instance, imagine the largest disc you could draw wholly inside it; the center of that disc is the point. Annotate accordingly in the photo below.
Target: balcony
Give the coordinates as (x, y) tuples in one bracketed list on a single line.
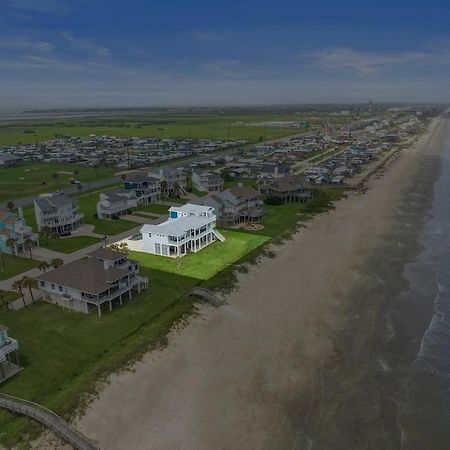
[(10, 345)]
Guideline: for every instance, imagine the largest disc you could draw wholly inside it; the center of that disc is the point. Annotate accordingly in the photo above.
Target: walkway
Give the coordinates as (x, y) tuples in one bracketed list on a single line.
[(50, 420)]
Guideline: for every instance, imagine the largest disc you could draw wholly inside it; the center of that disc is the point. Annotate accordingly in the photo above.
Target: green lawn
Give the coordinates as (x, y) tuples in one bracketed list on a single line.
[(15, 265), (155, 208), (28, 179), (235, 182), (209, 261), (64, 353), (111, 227), (69, 244)]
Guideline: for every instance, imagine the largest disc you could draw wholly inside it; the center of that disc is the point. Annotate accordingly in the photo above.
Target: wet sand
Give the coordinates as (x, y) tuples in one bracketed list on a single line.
[(288, 362)]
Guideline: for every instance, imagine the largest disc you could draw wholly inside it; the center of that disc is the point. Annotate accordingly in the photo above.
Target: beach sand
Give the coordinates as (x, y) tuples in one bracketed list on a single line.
[(255, 373)]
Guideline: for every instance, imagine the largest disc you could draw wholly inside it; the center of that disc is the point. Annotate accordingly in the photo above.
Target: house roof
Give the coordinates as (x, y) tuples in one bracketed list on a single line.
[(244, 192), (55, 201), (87, 275), (3, 328), (107, 254), (176, 227)]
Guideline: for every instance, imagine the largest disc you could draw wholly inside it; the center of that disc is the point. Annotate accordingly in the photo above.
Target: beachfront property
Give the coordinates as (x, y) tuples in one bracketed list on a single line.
[(58, 212), (14, 232), (288, 189), (173, 180), (206, 181), (239, 204), (269, 172), (189, 228), (105, 276), (146, 189), (9, 354), (115, 203)]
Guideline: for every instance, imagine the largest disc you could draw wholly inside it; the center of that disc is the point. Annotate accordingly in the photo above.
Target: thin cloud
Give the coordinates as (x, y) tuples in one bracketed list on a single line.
[(86, 45), (209, 35), (26, 44), (362, 63)]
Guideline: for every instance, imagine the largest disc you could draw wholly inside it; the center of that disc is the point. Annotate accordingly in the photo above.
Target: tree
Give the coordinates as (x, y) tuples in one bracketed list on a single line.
[(56, 262), (17, 286), (28, 246), (10, 205), (4, 299), (55, 177), (43, 266), (30, 283), (177, 189), (76, 173), (11, 244), (46, 231), (123, 177)]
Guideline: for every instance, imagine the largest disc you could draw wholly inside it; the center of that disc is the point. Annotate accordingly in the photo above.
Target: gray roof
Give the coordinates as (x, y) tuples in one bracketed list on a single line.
[(3, 328), (87, 275), (6, 158), (245, 192), (107, 254), (53, 202)]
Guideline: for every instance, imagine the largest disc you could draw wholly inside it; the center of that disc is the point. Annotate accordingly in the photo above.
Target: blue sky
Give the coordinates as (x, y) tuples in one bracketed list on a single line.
[(77, 53)]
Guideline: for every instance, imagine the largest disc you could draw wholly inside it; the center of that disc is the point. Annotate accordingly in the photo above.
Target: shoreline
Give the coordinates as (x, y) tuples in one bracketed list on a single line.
[(243, 366)]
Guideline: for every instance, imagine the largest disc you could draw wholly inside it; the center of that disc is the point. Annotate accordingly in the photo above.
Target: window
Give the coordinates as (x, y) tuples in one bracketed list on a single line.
[(149, 234), (158, 249), (60, 288), (42, 283), (53, 286)]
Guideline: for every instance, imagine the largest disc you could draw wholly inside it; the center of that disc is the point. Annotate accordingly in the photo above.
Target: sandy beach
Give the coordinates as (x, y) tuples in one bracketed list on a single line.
[(254, 373)]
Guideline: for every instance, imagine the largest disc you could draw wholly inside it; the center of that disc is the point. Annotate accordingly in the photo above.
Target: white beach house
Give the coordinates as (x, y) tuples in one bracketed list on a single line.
[(189, 228)]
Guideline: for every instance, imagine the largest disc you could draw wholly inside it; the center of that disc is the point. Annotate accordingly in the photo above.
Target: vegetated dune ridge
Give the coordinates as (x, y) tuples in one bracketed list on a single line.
[(289, 361)]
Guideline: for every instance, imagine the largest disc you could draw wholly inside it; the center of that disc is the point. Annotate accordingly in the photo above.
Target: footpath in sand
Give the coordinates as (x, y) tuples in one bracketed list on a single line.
[(227, 380)]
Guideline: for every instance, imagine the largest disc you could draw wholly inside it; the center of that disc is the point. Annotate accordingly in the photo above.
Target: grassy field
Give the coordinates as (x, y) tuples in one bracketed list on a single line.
[(70, 244), (28, 179), (216, 126), (64, 353), (155, 208), (209, 261), (15, 265)]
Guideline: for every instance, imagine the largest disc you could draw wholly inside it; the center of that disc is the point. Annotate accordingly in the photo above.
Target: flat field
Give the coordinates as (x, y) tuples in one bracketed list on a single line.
[(36, 178), (15, 265), (216, 126)]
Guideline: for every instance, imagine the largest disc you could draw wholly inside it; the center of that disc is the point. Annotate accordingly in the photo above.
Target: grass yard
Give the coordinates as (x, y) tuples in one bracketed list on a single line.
[(209, 261), (27, 179), (250, 182), (110, 227), (64, 353), (155, 208), (15, 265), (69, 244)]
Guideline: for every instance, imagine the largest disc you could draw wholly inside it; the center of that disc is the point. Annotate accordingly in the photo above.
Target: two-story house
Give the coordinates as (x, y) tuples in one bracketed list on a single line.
[(9, 354), (58, 212), (206, 181), (106, 276), (189, 228), (13, 229), (115, 203), (173, 179), (289, 189), (147, 189), (236, 205)]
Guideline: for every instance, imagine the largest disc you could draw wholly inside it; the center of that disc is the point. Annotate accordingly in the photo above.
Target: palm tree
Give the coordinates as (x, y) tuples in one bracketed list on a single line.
[(28, 246), (123, 177), (43, 265), (176, 189), (17, 286), (10, 205), (56, 262), (11, 244), (55, 177), (29, 283), (46, 231), (4, 300)]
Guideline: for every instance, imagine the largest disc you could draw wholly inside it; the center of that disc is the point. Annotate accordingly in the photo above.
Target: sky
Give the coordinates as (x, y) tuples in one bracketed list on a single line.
[(111, 53)]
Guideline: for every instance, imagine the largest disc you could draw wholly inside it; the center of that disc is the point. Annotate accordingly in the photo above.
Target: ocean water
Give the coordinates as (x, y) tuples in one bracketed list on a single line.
[(418, 349)]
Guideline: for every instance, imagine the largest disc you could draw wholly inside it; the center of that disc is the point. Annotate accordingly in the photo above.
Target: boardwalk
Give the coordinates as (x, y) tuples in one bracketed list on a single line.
[(49, 420)]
